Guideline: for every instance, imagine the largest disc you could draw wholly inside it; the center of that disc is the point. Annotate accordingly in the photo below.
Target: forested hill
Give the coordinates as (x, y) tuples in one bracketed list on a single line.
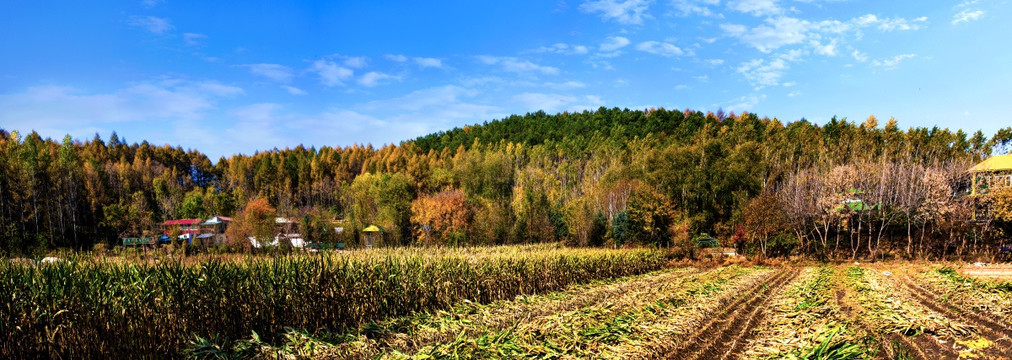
[(540, 127), (619, 126), (608, 176)]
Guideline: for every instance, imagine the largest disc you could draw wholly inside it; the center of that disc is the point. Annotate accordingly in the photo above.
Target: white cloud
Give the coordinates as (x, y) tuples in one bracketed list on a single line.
[(516, 65), (423, 62), (659, 48), (613, 43), (761, 73), (331, 74), (733, 29), (777, 32), (620, 11), (745, 103), (893, 61), (58, 110), (780, 31), (890, 24), (714, 62), (564, 85), (859, 56), (827, 49), (153, 24), (562, 48), (397, 58), (966, 15), (256, 127), (373, 78), (193, 39), (553, 103), (422, 99), (427, 110), (260, 114), (793, 55), (276, 72), (294, 90), (697, 7), (217, 89), (356, 62), (755, 7), (428, 62)]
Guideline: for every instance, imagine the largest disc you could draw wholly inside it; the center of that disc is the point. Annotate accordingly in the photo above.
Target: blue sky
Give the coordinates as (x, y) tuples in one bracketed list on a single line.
[(235, 78)]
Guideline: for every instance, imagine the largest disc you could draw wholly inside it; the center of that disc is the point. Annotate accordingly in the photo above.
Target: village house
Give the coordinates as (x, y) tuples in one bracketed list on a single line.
[(212, 231), (188, 229), (287, 232), (991, 174)]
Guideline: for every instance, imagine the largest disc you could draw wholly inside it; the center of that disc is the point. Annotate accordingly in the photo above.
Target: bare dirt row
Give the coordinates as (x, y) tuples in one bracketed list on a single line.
[(732, 326)]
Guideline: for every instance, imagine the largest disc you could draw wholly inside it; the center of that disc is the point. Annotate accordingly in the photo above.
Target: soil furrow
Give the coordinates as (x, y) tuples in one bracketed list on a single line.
[(721, 329), (760, 311), (897, 345), (990, 330), (892, 346), (999, 331)]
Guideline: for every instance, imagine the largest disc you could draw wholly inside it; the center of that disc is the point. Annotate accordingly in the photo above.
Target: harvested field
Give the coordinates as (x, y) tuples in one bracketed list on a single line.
[(632, 311), (877, 311)]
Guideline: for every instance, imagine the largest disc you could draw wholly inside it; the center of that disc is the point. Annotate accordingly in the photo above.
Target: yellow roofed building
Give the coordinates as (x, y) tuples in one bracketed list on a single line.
[(993, 173)]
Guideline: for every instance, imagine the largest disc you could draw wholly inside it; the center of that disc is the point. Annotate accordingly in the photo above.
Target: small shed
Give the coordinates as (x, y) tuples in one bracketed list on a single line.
[(372, 235)]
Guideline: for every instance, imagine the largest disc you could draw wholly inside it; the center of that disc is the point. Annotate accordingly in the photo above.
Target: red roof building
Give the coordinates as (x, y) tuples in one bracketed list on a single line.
[(185, 226)]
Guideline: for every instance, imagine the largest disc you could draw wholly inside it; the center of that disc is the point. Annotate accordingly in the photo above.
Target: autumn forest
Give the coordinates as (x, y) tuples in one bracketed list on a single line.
[(610, 177)]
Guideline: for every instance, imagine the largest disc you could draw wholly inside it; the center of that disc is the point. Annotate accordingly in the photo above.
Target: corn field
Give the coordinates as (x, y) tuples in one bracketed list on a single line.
[(87, 308)]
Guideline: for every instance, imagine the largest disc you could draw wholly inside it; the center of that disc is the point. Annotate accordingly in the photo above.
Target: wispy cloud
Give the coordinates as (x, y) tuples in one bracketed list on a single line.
[(553, 103), (620, 11), (892, 62), (153, 24), (423, 62), (755, 7), (828, 49), (397, 57), (331, 74), (374, 78), (563, 48), (564, 85), (428, 62), (660, 48), (891, 24), (193, 39), (516, 65), (859, 56), (745, 103), (613, 43), (294, 90), (967, 15), (276, 72), (58, 110), (356, 62), (696, 7), (761, 73), (775, 33)]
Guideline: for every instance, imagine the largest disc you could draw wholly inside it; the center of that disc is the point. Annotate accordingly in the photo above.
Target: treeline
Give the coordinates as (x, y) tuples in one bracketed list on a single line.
[(610, 176)]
